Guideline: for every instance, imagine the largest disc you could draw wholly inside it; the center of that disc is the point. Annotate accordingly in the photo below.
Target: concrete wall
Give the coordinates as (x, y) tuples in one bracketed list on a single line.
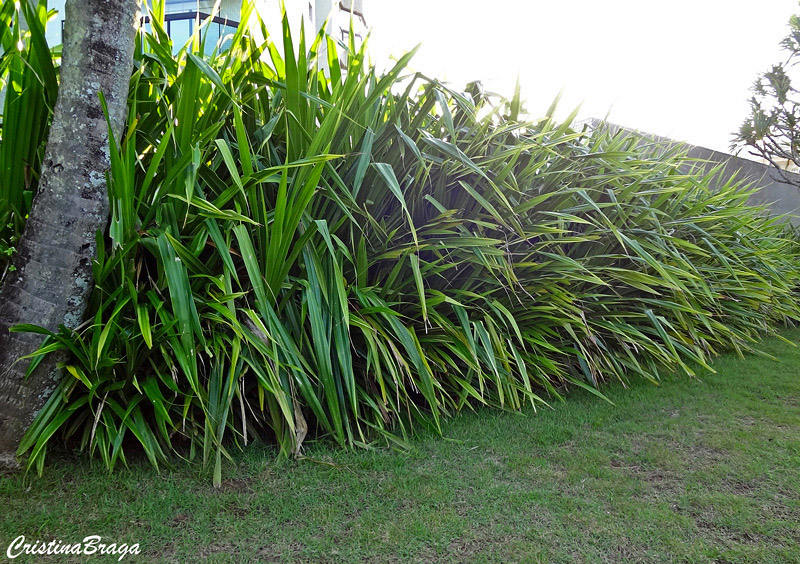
[(781, 198)]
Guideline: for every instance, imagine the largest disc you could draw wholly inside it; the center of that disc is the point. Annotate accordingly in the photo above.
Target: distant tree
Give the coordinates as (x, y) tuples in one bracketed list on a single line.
[(772, 130)]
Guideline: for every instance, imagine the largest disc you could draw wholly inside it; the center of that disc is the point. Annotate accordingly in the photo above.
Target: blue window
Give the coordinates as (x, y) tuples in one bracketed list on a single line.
[(182, 5), (180, 30), (180, 20), (181, 26)]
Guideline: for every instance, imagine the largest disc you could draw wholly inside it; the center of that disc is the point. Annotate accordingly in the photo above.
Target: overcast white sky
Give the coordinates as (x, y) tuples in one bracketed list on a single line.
[(677, 68)]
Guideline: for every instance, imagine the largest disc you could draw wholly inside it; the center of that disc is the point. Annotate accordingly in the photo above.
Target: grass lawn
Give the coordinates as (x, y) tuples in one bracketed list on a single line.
[(697, 470)]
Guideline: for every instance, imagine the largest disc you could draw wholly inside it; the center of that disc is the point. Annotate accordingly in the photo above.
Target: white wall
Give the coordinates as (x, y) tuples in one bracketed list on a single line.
[(313, 13)]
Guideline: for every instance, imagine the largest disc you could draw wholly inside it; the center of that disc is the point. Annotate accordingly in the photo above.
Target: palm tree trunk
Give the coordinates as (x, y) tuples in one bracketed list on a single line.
[(53, 273)]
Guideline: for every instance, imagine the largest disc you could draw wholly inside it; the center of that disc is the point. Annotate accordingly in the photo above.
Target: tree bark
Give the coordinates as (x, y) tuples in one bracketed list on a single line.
[(53, 275)]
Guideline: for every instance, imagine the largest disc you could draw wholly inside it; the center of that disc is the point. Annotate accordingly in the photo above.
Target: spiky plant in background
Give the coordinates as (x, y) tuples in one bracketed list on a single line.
[(28, 89), (348, 254)]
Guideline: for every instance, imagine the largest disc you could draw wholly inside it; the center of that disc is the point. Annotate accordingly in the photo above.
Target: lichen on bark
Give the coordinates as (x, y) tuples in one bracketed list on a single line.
[(53, 275)]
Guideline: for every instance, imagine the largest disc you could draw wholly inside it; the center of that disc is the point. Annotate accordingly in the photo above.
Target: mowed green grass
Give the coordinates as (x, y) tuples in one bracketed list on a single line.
[(696, 470)]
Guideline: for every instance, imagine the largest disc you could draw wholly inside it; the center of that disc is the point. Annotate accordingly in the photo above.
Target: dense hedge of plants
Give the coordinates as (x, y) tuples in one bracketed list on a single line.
[(299, 246)]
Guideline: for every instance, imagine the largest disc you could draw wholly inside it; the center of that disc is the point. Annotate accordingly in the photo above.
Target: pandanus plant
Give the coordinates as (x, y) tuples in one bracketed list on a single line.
[(306, 247)]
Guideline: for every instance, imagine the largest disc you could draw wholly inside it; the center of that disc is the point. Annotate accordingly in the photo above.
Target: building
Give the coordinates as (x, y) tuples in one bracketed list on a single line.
[(183, 15)]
